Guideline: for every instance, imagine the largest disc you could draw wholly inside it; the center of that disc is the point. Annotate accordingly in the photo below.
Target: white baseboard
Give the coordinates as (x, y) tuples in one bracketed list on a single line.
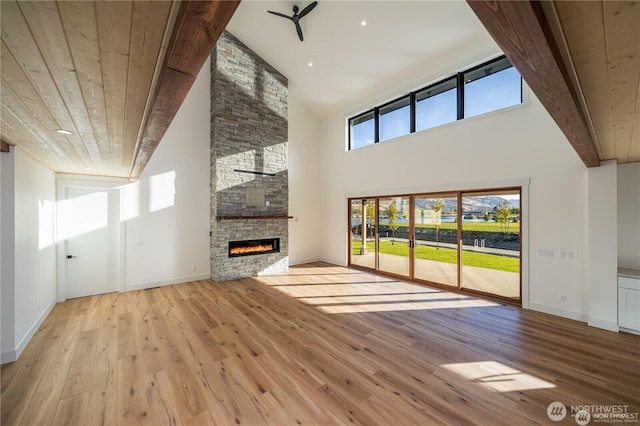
[(628, 330), (604, 324), (578, 316), (302, 262), (333, 262), (13, 355), (7, 357), (152, 284)]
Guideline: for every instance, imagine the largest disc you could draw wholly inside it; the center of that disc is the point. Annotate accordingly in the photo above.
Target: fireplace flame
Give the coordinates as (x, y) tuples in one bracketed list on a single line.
[(252, 249)]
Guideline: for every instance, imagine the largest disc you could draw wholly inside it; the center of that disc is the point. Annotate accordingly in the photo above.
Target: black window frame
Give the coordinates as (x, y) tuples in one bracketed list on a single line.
[(459, 77)]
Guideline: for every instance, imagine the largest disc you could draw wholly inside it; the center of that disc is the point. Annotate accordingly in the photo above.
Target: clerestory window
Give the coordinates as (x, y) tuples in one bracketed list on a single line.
[(491, 86)]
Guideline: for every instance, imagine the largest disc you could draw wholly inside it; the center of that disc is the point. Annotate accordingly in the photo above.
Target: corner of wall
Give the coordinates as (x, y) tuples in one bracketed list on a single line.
[(628, 214), (7, 258), (602, 258)]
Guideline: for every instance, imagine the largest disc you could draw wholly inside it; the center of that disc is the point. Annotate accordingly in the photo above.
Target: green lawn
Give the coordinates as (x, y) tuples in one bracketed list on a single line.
[(447, 255), (467, 226)]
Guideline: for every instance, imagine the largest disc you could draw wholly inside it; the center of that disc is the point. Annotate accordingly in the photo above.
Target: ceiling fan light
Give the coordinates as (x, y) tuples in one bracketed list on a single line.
[(63, 131)]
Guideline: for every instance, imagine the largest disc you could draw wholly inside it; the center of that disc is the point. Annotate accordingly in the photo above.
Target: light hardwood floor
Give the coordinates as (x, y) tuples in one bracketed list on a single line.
[(320, 345)]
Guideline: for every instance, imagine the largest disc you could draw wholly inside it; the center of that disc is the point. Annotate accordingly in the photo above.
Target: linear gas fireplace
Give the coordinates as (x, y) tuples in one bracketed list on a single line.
[(253, 247)]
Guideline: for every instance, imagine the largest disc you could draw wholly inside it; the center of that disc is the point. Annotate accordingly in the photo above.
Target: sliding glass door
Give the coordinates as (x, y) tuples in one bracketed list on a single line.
[(491, 243), (466, 240), (394, 235), (436, 239), (362, 232)]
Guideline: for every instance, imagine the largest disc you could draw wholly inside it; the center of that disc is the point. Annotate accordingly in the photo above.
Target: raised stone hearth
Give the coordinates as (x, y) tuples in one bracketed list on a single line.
[(249, 151)]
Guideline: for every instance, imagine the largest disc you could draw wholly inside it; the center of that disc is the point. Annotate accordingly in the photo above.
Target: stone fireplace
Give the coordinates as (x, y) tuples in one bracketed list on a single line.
[(249, 164)]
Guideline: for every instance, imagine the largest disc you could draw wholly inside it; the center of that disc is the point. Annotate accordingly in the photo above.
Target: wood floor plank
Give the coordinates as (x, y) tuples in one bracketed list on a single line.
[(204, 418), (152, 359), (128, 343), (45, 338), (44, 402), (93, 315), (217, 391), (181, 355), (274, 350), (66, 346), (103, 402), (131, 391), (72, 410), (79, 377), (161, 400), (16, 398)]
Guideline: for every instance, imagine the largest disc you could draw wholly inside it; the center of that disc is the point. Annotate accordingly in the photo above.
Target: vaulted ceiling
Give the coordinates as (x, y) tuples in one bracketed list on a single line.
[(582, 60), (90, 87), (114, 73)]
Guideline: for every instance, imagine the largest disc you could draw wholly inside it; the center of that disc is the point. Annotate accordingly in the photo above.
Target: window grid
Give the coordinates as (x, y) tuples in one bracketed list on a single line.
[(459, 77)]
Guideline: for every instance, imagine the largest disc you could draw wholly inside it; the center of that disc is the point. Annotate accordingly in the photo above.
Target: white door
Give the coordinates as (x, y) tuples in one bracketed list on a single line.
[(85, 227)]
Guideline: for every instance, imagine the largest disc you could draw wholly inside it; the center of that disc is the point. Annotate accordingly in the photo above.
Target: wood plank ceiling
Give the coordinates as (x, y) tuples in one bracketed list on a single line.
[(602, 39), (94, 70)]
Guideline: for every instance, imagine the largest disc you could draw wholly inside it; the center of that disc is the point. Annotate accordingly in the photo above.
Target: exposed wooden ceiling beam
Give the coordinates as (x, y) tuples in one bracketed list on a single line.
[(522, 32), (4, 147), (197, 29)]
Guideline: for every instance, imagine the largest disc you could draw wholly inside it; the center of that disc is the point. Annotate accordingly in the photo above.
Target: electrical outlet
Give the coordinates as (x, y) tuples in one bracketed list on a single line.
[(194, 268), (563, 298), (563, 254)]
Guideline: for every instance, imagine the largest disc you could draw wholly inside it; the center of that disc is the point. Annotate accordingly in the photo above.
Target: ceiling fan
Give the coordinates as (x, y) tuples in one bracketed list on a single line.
[(297, 16)]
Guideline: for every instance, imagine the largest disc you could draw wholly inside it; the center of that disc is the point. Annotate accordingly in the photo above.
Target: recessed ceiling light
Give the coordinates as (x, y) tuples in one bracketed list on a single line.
[(63, 131), (310, 64), (363, 23)]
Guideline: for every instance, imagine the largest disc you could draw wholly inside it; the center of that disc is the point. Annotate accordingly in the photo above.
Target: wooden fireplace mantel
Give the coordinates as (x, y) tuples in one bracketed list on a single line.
[(251, 217)]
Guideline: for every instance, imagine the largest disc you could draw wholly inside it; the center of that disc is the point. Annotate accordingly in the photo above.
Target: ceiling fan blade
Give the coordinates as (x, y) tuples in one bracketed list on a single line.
[(298, 29), (307, 9), (280, 14)]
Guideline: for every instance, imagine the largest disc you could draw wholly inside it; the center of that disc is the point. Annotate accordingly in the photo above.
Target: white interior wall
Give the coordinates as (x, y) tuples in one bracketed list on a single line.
[(7, 256), (518, 144), (629, 215), (34, 253), (304, 181), (602, 227), (166, 212)]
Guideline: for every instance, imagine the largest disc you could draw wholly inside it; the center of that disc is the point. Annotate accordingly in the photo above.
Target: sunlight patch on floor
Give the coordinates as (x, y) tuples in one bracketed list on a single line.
[(497, 377), (407, 305), (356, 292)]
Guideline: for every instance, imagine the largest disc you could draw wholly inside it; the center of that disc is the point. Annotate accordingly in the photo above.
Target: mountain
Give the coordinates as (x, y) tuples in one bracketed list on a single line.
[(470, 204)]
